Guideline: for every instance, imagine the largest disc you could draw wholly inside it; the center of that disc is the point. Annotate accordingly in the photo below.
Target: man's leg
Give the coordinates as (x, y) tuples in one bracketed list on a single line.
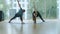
[(21, 19), (40, 17), (34, 19), (12, 18)]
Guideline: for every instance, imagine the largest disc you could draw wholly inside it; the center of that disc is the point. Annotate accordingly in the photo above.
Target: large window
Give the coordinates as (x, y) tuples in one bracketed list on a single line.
[(47, 8)]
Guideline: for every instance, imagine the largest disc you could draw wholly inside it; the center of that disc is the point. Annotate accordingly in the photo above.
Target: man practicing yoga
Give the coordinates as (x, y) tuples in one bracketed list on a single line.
[(36, 14), (19, 14)]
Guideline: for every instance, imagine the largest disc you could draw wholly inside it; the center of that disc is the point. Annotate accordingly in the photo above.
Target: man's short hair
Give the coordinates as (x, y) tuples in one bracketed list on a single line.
[(23, 10)]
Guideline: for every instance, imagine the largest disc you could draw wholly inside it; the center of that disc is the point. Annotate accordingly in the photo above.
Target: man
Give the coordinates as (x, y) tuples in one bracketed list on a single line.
[(19, 14), (36, 14)]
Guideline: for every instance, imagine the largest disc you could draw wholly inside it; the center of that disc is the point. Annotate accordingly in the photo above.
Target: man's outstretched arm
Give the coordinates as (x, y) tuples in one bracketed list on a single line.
[(19, 4)]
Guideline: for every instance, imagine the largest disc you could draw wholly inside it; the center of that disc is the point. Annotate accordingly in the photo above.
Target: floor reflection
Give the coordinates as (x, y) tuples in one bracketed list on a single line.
[(39, 28)]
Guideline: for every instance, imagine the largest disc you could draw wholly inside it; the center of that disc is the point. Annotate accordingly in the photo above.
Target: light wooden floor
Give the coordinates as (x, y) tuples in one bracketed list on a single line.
[(50, 27)]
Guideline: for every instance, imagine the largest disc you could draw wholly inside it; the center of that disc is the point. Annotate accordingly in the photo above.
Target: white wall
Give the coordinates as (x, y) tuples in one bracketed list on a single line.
[(58, 8)]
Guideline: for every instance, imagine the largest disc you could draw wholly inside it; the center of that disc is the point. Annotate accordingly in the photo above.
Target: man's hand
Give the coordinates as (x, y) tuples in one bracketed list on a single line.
[(35, 14), (19, 4)]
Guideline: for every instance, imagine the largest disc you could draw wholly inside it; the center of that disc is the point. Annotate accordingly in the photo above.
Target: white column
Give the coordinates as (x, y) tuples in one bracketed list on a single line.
[(26, 9), (58, 7)]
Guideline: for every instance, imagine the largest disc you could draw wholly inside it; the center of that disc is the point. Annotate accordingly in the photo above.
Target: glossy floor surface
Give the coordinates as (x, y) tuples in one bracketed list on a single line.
[(49, 27)]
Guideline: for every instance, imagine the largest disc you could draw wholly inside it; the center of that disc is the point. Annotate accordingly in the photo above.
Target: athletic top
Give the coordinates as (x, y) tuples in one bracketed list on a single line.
[(20, 12), (36, 13)]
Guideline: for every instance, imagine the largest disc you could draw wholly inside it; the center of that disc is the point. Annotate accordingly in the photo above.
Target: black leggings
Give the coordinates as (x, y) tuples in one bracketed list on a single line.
[(38, 15), (17, 15)]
